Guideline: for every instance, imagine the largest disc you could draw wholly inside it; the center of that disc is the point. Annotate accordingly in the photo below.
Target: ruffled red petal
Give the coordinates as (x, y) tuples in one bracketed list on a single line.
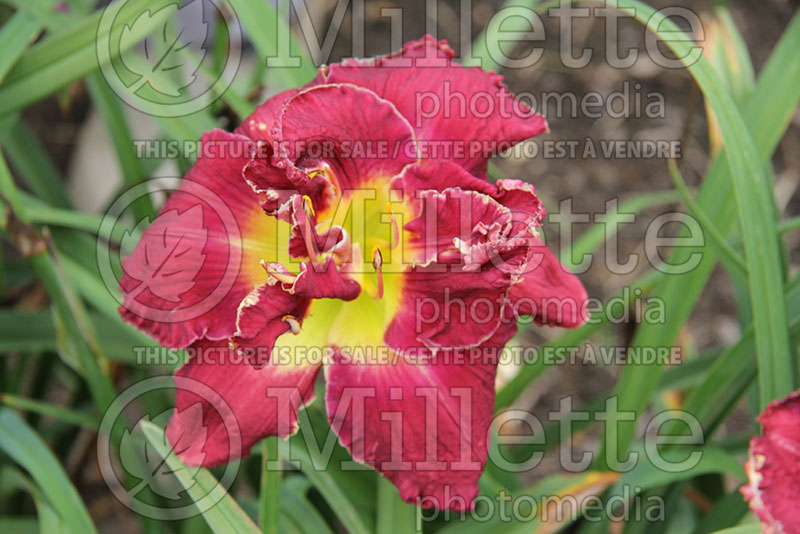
[(280, 305), (273, 187), (421, 425), (548, 292), (305, 235), (258, 125), (256, 402), (545, 289), (438, 176), (519, 197), (325, 281), (773, 468), (186, 276), (457, 296), (360, 136), (463, 114), (265, 314)]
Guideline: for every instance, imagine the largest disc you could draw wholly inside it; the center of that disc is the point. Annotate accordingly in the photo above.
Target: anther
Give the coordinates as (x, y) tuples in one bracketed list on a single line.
[(294, 324), (308, 206)]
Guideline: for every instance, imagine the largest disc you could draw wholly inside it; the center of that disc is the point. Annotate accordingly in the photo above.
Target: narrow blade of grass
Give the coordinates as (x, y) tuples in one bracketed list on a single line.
[(24, 446), (296, 506), (66, 304), (45, 214), (46, 12), (728, 256), (754, 528), (733, 371), (255, 17), (756, 216), (66, 415), (327, 485), (768, 113), (513, 30), (738, 66), (34, 164), (70, 55), (15, 37), (110, 108), (394, 515), (34, 331), (269, 488), (591, 239), (530, 372), (224, 517), (239, 104)]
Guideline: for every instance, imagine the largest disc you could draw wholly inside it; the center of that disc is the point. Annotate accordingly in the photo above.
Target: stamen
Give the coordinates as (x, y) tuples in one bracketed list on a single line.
[(308, 206), (377, 262), (356, 259), (326, 173), (294, 324), (308, 236), (395, 240), (343, 250), (278, 272)]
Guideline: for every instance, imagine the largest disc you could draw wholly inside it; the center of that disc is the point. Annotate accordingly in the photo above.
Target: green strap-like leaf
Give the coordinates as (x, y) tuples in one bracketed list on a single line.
[(729, 257), (34, 164), (261, 21), (72, 417), (754, 528), (24, 446), (394, 515), (225, 516), (68, 56), (15, 37), (326, 483), (110, 108), (513, 29), (767, 115)]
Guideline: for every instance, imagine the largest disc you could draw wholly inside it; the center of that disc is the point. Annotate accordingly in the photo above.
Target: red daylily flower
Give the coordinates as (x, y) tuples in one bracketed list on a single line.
[(340, 217), (773, 468)]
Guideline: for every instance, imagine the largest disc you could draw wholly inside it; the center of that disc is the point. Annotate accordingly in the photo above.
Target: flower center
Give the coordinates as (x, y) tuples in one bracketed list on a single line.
[(372, 249)]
